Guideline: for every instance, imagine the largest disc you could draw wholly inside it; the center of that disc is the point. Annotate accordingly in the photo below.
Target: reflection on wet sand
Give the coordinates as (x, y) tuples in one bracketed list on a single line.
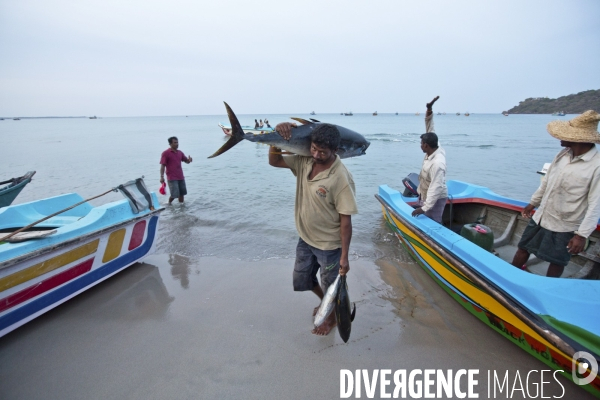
[(139, 293), (180, 269)]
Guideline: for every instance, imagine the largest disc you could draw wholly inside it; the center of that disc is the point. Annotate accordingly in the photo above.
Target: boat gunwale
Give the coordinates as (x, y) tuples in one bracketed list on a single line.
[(45, 250), (25, 180), (487, 202), (536, 324), (19, 185)]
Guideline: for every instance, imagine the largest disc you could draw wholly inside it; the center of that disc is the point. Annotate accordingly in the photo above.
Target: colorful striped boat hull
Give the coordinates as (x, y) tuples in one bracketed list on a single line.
[(541, 315), (36, 276)]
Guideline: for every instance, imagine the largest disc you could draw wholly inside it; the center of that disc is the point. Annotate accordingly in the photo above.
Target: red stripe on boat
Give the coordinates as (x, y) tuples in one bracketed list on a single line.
[(485, 201), (137, 235), (45, 285)]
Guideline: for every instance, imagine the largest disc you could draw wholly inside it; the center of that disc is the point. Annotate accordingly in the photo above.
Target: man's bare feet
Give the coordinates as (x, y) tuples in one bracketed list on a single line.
[(326, 326)]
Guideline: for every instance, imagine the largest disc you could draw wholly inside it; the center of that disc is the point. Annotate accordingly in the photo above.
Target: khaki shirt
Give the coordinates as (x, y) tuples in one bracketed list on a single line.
[(320, 201), (568, 199)]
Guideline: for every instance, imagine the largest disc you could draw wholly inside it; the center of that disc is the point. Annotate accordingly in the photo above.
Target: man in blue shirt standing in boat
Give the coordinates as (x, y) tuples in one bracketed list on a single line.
[(433, 192), (568, 199)]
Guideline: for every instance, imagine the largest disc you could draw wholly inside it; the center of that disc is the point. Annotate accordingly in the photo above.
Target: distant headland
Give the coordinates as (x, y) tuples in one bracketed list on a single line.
[(571, 104)]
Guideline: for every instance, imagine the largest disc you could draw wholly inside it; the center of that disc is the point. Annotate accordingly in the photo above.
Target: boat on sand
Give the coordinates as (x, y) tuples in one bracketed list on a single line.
[(553, 319), (69, 252)]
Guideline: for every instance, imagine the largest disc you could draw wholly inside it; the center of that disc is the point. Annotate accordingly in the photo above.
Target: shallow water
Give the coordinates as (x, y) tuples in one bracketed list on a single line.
[(240, 207)]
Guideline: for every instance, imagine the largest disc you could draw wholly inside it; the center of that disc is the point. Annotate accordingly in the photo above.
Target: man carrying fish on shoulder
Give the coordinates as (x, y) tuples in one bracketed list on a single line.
[(325, 202)]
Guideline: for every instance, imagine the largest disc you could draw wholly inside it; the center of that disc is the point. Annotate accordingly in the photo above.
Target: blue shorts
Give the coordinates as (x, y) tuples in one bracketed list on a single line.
[(308, 261), (177, 188)]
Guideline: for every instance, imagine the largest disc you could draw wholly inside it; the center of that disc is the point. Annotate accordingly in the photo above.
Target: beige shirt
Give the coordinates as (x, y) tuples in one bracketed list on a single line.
[(568, 199), (432, 179), (320, 201)]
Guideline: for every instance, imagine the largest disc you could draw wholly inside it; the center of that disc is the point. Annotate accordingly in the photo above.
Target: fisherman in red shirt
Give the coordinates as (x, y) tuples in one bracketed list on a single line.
[(171, 161)]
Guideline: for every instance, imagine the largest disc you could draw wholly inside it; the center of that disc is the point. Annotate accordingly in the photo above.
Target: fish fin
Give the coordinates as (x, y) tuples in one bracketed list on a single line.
[(353, 312), (301, 120), (237, 133), (314, 120)]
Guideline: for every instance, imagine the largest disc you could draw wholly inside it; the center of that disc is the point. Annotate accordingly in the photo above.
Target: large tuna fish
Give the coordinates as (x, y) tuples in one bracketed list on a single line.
[(342, 310), (352, 144), (327, 303)]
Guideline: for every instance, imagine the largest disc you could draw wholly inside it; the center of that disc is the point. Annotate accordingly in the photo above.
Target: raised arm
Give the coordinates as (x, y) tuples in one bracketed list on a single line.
[(275, 157), (429, 127), (430, 105)]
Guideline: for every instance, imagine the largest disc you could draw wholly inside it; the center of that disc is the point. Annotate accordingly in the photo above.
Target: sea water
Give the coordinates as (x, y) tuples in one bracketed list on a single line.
[(240, 207)]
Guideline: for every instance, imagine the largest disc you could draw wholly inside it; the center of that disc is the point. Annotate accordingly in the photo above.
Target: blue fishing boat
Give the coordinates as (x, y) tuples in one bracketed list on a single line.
[(553, 319), (49, 253), (247, 129), (13, 187)]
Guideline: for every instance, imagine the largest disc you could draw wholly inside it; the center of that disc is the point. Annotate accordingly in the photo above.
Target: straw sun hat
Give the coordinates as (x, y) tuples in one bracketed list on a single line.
[(581, 129)]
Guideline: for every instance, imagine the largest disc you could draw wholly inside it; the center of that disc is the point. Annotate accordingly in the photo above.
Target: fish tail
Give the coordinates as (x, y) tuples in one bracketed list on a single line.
[(237, 133)]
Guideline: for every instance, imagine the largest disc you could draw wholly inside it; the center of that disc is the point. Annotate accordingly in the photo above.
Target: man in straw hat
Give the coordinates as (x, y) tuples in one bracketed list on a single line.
[(568, 199)]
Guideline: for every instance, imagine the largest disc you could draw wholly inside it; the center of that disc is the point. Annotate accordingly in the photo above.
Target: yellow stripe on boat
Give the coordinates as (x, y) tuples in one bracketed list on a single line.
[(471, 291), (47, 266), (115, 243)]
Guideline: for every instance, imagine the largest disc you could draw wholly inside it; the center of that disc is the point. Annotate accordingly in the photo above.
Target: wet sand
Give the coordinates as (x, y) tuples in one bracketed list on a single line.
[(179, 328)]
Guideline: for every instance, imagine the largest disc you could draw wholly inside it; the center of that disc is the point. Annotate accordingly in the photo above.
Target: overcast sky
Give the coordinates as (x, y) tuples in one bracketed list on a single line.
[(143, 58)]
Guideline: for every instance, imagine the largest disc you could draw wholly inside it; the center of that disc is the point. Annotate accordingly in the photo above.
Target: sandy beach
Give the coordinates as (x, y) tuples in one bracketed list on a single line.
[(212, 314), (181, 328)]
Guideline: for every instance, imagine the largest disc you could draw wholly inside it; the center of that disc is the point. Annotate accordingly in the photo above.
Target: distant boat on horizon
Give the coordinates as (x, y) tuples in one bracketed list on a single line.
[(349, 113), (467, 114), (312, 113), (94, 117), (375, 113), (505, 113)]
